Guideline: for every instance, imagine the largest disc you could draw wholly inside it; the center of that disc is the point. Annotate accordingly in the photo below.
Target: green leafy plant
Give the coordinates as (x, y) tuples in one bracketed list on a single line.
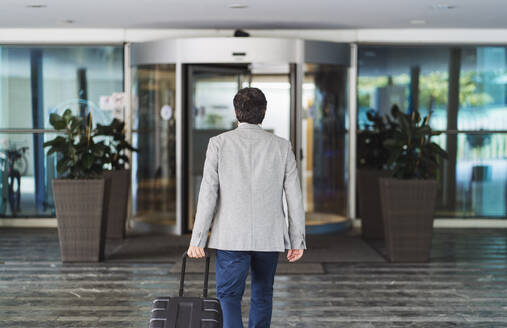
[(371, 152), (412, 154), (79, 156), (117, 145)]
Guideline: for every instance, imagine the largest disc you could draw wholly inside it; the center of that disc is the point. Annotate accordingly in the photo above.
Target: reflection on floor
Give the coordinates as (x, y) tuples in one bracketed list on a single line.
[(155, 201), (315, 218), (463, 285), (157, 218)]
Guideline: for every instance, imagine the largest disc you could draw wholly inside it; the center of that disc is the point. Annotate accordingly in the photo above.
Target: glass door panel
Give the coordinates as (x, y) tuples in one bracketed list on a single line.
[(324, 144), (154, 135)]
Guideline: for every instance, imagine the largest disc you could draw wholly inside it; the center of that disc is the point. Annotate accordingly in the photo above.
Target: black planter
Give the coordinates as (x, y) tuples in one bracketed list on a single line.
[(117, 203), (79, 206), (370, 211), (407, 210)]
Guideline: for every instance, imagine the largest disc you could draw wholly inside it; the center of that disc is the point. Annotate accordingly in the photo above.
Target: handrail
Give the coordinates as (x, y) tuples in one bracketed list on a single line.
[(12, 131)]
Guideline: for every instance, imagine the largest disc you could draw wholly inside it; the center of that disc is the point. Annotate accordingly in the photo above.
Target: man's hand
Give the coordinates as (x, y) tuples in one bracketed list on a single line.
[(195, 252), (294, 254)]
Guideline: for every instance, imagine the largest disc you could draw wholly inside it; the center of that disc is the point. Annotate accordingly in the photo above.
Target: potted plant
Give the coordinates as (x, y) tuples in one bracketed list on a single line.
[(79, 191), (119, 175), (408, 197), (372, 165)]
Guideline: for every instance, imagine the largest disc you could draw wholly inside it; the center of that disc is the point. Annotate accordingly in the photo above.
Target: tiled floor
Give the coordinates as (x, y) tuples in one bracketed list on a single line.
[(463, 286)]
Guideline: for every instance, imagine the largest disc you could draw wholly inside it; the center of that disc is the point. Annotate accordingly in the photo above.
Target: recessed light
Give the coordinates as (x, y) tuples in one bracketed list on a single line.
[(417, 22), (36, 6), (237, 6), (443, 6), (68, 21)]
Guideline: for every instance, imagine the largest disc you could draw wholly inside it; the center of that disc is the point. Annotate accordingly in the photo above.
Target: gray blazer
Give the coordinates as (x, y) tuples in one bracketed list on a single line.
[(245, 174)]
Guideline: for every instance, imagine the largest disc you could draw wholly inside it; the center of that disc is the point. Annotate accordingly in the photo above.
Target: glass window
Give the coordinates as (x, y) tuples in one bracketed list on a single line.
[(465, 88), (482, 88), (25, 176), (414, 78), (35, 82), (478, 188), (58, 78)]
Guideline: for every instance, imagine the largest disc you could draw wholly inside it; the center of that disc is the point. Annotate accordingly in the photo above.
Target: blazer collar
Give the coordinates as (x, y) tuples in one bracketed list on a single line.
[(248, 126)]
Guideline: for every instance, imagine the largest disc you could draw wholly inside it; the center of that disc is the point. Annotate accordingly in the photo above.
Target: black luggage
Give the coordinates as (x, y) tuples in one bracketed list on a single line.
[(187, 312)]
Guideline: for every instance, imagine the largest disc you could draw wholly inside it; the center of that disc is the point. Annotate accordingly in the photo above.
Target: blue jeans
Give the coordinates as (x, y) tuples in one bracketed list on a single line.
[(231, 273)]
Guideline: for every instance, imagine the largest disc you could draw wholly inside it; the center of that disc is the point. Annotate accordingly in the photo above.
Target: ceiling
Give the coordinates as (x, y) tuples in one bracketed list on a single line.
[(264, 14)]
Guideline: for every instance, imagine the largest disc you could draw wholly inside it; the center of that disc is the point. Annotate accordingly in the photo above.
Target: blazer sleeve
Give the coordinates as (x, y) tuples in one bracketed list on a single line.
[(296, 212), (208, 195)]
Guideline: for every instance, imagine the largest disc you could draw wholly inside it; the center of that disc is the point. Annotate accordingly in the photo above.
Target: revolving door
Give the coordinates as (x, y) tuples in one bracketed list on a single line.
[(181, 97)]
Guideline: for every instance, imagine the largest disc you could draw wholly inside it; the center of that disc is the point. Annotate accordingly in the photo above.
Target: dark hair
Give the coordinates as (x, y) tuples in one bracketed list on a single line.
[(250, 105)]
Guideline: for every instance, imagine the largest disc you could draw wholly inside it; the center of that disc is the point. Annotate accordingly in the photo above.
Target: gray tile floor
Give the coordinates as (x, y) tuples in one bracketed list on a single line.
[(463, 286)]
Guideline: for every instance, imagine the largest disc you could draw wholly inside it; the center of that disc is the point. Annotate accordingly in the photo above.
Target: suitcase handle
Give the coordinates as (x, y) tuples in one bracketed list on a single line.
[(206, 273)]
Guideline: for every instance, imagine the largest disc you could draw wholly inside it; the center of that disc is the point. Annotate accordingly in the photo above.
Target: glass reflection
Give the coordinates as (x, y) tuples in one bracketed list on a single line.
[(154, 165), (418, 78), (23, 192), (37, 81), (483, 89), (480, 179), (414, 78), (325, 143), (465, 88)]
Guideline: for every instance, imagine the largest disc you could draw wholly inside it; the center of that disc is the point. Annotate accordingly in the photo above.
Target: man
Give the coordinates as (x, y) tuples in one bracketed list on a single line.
[(245, 174)]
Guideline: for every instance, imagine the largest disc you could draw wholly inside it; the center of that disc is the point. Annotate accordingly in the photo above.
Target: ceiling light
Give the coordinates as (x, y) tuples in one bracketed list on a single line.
[(443, 6), (237, 6), (417, 22), (68, 21), (37, 6)]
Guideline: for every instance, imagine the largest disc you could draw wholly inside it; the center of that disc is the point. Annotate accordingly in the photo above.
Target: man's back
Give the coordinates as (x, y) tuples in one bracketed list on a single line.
[(245, 174)]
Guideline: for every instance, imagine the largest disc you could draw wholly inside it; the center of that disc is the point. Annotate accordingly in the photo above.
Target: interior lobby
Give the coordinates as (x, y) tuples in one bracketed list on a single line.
[(334, 73)]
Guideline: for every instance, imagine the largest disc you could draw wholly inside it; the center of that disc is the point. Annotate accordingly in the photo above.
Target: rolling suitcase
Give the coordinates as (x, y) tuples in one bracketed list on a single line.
[(187, 312)]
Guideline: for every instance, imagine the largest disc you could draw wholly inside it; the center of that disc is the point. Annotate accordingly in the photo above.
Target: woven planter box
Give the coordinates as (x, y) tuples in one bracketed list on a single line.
[(370, 211), (79, 206), (407, 211), (117, 203)]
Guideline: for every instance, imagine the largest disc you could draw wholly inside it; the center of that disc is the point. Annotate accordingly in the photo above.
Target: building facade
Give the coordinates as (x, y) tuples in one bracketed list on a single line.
[(316, 99)]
